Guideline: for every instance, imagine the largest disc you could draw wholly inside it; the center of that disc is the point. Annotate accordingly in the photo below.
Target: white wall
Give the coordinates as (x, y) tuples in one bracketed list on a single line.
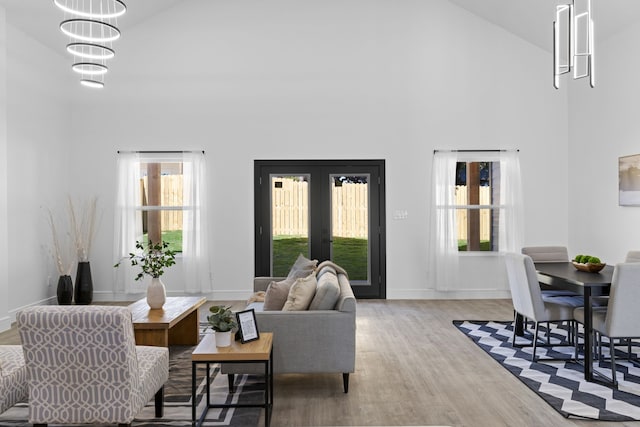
[(4, 226), (285, 79), (327, 79), (36, 173), (604, 126)]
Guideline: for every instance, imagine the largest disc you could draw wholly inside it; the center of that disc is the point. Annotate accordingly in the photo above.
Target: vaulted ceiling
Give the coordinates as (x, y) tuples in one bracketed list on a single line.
[(529, 19)]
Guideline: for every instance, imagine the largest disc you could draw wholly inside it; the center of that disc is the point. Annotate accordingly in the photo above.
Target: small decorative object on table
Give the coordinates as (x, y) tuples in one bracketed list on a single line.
[(154, 258), (247, 326), (222, 321), (588, 263)]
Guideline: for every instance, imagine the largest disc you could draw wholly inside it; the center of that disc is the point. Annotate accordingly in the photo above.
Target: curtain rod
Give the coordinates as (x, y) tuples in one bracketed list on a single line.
[(474, 151), (159, 152)]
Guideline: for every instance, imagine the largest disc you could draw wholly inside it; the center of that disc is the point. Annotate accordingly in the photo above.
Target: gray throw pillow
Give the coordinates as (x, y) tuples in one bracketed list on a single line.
[(327, 292), (302, 267), (276, 295)]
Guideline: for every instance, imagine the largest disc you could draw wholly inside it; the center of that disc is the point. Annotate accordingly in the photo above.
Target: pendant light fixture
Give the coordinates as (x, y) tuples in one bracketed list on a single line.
[(573, 42), (91, 26)]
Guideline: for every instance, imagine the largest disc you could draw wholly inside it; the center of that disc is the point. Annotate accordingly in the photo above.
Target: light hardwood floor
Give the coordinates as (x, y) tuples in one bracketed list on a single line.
[(414, 367)]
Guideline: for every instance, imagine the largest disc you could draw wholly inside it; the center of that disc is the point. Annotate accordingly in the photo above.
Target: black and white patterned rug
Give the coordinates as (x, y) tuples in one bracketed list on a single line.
[(561, 383)]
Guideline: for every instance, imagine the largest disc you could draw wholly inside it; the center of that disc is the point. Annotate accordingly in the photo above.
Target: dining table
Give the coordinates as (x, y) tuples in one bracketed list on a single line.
[(564, 275)]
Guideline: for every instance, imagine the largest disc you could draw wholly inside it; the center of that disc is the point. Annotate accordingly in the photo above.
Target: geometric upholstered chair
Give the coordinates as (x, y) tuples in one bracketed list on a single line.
[(13, 376), (83, 366), (621, 318)]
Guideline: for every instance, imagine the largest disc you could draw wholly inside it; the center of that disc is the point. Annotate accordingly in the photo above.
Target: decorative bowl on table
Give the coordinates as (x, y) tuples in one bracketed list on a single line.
[(589, 267)]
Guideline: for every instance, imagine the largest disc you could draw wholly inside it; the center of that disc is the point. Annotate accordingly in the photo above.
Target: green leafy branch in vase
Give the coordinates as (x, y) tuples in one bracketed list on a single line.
[(154, 259)]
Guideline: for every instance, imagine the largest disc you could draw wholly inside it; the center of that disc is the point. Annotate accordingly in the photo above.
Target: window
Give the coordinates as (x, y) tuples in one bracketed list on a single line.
[(161, 197), (476, 214), (476, 207), (160, 206)]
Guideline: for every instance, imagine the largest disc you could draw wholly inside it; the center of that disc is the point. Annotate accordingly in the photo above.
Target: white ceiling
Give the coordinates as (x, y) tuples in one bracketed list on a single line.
[(528, 19), (40, 18), (532, 20)]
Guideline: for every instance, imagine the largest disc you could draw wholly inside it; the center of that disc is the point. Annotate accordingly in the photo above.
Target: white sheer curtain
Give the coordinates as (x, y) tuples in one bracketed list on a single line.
[(127, 227), (444, 241), (195, 253), (444, 231), (511, 231), (128, 221)]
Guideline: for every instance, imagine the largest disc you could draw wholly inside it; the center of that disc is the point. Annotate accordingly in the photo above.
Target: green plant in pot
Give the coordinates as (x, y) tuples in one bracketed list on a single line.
[(222, 321), (153, 259)]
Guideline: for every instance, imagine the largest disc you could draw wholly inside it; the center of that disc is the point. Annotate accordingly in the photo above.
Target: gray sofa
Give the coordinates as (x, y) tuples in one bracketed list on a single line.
[(308, 341)]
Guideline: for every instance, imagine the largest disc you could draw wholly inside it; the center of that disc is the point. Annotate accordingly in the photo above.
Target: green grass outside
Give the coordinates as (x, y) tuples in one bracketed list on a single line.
[(174, 238), (485, 245), (349, 253)]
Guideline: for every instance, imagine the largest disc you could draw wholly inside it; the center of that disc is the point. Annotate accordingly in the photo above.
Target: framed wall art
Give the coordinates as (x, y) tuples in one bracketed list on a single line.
[(629, 180)]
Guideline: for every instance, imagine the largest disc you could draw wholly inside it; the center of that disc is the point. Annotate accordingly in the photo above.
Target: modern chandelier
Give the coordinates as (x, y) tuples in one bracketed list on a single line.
[(91, 26), (573, 42)]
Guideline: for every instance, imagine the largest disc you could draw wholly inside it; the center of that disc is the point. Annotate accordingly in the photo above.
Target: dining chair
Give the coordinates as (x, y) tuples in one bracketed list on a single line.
[(603, 300), (633, 256), (549, 254), (621, 318), (527, 298)]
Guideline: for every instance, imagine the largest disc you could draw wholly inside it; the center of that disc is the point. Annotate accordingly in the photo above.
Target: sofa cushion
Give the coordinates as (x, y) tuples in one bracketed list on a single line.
[(327, 292), (302, 267), (323, 270), (338, 269), (277, 294), (301, 293)]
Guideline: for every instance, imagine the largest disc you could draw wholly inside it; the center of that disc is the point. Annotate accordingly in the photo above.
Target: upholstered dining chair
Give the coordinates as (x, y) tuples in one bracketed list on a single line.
[(527, 297), (549, 254), (621, 318), (633, 256), (603, 300), (13, 376), (83, 366)]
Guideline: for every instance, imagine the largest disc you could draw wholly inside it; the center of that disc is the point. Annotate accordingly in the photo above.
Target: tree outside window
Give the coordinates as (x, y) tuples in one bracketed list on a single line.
[(476, 214), (161, 205)]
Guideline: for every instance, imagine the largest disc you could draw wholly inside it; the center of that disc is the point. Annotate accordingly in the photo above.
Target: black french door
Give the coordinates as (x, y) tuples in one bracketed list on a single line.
[(326, 210)]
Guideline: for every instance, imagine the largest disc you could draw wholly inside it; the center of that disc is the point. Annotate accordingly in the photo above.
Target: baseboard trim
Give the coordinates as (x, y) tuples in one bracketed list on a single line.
[(457, 294)]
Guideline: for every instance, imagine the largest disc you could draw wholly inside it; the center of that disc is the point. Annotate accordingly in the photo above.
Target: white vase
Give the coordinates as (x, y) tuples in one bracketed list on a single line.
[(223, 339), (156, 293)]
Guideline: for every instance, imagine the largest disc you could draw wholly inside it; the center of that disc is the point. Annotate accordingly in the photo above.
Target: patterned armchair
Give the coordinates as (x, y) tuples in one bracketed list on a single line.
[(83, 366), (13, 376)]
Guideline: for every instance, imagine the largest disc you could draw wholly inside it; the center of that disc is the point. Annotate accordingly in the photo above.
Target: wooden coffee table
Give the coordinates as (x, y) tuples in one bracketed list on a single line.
[(259, 351), (176, 323)]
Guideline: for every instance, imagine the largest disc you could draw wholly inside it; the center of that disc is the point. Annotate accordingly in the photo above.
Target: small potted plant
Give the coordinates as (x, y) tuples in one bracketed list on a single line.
[(153, 259), (222, 321)]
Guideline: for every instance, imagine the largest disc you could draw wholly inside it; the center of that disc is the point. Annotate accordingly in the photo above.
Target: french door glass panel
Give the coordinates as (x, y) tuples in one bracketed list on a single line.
[(350, 224), (289, 221)]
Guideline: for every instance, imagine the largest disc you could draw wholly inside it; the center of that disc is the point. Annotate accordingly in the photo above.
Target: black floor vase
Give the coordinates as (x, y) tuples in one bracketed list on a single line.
[(64, 291), (84, 284)]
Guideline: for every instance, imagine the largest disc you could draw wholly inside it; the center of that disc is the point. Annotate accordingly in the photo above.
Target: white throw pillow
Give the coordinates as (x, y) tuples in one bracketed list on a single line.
[(301, 293)]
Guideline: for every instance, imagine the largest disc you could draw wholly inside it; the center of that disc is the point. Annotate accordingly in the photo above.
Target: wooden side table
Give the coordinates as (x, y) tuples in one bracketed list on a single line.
[(259, 351)]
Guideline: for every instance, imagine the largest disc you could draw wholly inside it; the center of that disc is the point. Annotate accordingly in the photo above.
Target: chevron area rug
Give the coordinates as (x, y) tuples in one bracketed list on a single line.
[(561, 383), (177, 402)]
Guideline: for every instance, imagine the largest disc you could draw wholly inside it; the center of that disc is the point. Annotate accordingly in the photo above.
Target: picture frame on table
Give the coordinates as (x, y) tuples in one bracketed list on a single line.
[(247, 325)]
